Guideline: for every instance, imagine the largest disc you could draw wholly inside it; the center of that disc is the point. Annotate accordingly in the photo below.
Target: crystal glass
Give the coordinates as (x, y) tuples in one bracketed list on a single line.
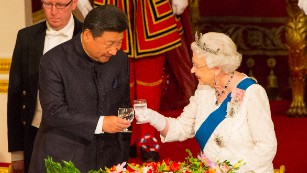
[(126, 113), (140, 105)]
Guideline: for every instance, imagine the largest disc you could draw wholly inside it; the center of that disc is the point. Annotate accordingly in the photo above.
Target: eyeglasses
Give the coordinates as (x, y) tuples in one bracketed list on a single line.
[(49, 5), (198, 67)]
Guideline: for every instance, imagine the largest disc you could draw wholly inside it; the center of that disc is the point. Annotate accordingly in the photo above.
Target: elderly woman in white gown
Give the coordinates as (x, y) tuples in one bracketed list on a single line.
[(229, 114)]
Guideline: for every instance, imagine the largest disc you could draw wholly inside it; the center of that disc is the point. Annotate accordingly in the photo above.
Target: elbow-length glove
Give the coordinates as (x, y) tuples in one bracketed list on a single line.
[(84, 6), (178, 6), (303, 5), (152, 117)]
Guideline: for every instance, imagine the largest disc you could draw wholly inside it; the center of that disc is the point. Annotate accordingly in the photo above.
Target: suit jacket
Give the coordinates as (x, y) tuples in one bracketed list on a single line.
[(74, 92), (23, 84)]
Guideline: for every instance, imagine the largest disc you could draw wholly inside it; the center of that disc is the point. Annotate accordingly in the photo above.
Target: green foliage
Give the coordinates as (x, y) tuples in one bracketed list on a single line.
[(55, 167), (199, 164), (193, 164), (65, 167), (99, 171)]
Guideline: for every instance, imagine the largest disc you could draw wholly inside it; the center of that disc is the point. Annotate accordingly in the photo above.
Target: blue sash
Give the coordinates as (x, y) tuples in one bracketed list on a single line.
[(216, 117)]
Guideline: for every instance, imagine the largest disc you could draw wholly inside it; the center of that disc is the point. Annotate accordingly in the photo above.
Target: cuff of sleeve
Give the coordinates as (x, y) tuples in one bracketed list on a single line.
[(17, 155), (99, 125)]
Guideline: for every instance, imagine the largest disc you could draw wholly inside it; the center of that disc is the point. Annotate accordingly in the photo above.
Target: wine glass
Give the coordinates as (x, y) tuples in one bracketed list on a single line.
[(140, 105), (126, 113)]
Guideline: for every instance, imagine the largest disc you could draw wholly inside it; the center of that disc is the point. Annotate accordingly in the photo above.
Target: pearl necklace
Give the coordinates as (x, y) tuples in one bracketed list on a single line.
[(218, 95)]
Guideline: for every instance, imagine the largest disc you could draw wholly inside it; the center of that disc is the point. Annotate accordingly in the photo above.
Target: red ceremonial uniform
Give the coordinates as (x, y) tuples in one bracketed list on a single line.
[(157, 30)]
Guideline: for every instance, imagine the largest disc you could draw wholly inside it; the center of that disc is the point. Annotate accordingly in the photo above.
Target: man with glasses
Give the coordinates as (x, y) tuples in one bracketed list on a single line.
[(24, 110), (49, 5)]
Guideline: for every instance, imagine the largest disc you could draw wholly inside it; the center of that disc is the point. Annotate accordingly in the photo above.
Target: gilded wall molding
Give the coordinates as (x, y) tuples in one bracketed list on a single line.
[(253, 35), (237, 19), (38, 16), (195, 16), (4, 86), (5, 64)]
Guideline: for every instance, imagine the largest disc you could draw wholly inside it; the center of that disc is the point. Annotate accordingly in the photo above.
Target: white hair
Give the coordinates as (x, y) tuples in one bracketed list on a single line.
[(218, 50)]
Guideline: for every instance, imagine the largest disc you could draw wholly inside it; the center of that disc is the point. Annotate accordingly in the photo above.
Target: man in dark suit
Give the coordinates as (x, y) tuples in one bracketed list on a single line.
[(82, 84), (24, 111)]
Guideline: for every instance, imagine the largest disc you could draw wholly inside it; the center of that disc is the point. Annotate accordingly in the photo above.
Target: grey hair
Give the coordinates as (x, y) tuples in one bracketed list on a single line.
[(218, 50)]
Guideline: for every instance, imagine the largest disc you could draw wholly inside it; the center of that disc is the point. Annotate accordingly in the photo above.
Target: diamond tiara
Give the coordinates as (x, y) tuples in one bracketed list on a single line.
[(205, 48)]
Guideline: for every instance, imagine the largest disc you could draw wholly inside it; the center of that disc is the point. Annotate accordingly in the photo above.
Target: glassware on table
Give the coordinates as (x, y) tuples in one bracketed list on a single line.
[(126, 113), (140, 105)]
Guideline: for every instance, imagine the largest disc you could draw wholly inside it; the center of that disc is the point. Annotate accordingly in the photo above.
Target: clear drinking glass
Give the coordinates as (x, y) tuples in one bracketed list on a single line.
[(126, 113), (140, 105)]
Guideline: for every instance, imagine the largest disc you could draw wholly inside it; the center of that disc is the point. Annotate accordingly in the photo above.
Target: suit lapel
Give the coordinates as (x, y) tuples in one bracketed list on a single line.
[(36, 49)]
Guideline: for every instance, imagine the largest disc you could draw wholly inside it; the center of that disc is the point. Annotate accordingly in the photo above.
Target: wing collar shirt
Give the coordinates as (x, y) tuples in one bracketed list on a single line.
[(52, 39)]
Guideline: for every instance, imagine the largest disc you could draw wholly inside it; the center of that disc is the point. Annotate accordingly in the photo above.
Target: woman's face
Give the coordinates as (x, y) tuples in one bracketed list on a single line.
[(204, 75)]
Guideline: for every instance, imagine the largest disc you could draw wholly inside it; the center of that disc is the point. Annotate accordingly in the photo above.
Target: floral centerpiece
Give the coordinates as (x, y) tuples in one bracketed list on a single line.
[(199, 164)]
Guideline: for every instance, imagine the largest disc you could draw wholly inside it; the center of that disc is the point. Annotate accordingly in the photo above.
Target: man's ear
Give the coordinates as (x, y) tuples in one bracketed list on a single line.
[(87, 35)]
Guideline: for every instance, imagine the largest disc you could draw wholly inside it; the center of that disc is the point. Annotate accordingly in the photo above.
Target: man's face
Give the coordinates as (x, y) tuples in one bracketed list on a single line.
[(58, 12), (103, 47)]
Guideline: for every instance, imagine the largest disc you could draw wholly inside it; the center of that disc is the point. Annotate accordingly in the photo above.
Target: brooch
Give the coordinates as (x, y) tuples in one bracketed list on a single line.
[(236, 100), (219, 141)]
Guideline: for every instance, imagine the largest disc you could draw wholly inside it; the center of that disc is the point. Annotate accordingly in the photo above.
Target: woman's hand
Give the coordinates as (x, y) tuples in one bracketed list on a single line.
[(155, 119)]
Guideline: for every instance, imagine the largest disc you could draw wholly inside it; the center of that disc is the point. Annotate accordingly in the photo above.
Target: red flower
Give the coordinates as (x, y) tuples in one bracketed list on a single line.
[(166, 161), (175, 166), (113, 168), (152, 167), (152, 164)]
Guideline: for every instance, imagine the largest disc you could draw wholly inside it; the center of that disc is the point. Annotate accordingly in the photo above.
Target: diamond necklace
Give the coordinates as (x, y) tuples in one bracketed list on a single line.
[(218, 95)]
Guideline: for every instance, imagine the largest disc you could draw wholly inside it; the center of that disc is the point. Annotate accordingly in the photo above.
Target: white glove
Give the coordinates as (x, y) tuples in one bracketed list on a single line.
[(303, 5), (179, 6), (152, 117), (84, 6)]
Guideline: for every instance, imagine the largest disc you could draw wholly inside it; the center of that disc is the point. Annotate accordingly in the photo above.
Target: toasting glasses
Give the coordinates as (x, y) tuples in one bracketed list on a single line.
[(126, 113), (140, 105)]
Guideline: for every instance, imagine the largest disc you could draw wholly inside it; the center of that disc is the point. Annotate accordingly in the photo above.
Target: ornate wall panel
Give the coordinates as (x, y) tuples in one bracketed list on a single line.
[(258, 29), (4, 70), (253, 35)]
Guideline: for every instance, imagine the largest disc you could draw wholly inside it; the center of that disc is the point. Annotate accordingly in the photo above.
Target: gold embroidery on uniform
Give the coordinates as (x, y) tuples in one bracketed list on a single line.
[(149, 84)]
